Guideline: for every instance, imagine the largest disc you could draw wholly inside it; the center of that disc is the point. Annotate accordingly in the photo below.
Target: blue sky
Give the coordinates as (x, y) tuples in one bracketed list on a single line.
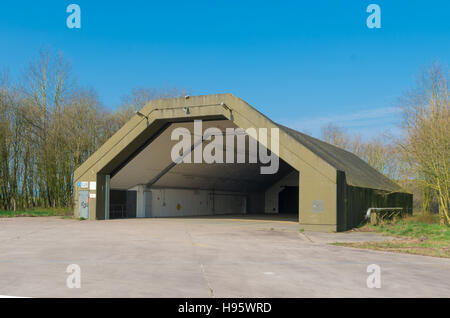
[(302, 63)]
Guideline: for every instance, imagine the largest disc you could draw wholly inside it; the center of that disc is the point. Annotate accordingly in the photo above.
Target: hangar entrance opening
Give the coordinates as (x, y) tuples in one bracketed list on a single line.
[(122, 204), (288, 200), (151, 184)]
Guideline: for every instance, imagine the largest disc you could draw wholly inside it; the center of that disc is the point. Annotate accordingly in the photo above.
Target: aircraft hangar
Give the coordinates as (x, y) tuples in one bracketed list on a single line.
[(217, 155)]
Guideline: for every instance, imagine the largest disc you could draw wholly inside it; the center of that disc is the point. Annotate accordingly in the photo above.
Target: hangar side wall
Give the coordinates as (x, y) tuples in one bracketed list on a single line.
[(353, 202)]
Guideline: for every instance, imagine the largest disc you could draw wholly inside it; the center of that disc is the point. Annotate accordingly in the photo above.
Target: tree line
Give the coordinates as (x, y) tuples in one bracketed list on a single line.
[(49, 125)]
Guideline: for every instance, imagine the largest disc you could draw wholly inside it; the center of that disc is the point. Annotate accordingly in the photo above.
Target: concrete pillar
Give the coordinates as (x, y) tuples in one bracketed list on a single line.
[(147, 204), (140, 204), (107, 189)]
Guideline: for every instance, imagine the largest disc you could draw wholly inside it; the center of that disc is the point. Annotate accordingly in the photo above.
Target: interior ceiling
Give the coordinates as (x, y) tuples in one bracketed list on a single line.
[(147, 166)]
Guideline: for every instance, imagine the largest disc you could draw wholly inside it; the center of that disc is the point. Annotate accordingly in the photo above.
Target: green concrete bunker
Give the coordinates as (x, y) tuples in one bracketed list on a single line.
[(133, 174)]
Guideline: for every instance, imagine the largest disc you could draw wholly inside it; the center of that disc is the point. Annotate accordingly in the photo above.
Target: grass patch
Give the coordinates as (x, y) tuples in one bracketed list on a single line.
[(417, 235), (64, 212)]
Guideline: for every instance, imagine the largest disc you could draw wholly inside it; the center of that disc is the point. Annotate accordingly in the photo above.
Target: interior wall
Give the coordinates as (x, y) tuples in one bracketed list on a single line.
[(168, 202), (271, 194)]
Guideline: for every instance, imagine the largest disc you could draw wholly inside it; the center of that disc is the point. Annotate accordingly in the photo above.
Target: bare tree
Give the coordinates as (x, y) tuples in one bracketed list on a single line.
[(426, 114), (378, 152), (336, 136), (139, 97)]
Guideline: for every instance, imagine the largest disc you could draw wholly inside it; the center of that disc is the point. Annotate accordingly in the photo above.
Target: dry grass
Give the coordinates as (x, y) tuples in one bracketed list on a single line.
[(419, 234)]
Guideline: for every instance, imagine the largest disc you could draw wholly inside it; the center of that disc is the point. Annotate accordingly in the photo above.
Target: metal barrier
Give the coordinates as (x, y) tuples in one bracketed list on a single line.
[(376, 215)]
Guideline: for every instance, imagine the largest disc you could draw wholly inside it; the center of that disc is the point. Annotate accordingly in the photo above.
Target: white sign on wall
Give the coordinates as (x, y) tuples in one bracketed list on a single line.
[(93, 185), (92, 195), (83, 184)]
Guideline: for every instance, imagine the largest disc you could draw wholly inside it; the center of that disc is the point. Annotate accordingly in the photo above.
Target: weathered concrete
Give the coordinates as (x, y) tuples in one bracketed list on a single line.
[(202, 257)]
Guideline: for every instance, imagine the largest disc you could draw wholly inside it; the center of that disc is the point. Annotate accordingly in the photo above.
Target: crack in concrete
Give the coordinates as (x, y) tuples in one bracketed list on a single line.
[(309, 239), (202, 268), (211, 290)]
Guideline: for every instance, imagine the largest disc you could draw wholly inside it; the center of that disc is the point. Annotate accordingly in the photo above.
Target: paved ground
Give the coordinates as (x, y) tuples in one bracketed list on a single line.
[(202, 257)]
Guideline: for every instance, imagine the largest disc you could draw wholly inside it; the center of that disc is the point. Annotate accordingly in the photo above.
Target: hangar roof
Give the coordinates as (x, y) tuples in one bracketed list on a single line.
[(358, 172)]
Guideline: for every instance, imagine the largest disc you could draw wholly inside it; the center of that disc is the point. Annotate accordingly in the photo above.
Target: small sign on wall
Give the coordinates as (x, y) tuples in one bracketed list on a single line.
[(317, 206), (93, 185), (92, 195), (83, 184)]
